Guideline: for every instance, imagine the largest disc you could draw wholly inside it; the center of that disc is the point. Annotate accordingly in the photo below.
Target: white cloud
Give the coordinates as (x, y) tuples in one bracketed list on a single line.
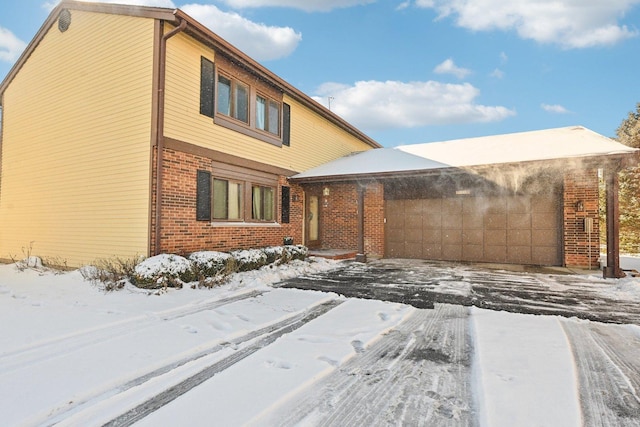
[(403, 5), (259, 41), (568, 23), (306, 5), (449, 67), (555, 108), (10, 46), (497, 73), (377, 105)]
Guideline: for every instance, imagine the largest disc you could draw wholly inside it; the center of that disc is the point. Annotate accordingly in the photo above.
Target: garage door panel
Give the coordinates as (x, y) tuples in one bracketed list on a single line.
[(519, 254), (518, 238), (413, 250), (413, 222), (451, 237), (544, 221), (432, 251), (544, 237), (496, 205), (519, 221), (495, 253), (495, 221), (543, 204), (495, 238), (544, 255), (452, 252), (473, 252), (518, 204), (472, 221), (432, 236), (472, 237), (452, 221), (430, 220)]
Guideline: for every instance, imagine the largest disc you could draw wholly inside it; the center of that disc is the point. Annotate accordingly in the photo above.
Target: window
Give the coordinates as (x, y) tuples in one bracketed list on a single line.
[(243, 195), (262, 203), (267, 115), (227, 200), (233, 99)]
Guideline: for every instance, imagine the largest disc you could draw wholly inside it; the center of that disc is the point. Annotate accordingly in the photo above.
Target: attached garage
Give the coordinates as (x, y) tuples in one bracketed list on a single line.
[(528, 198), (513, 229)]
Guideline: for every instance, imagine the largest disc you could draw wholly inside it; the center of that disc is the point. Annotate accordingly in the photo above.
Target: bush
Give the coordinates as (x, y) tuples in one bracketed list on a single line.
[(250, 259), (111, 273), (298, 252), (162, 271)]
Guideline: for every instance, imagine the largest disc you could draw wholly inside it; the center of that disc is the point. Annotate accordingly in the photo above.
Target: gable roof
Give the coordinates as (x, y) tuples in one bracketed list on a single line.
[(561, 144), (202, 34)]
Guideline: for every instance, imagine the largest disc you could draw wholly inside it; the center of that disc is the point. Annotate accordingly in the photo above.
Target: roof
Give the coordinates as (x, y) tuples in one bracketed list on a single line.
[(575, 142), (201, 33)]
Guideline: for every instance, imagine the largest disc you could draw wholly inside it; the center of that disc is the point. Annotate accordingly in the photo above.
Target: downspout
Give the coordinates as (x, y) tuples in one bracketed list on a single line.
[(612, 270), (160, 129)]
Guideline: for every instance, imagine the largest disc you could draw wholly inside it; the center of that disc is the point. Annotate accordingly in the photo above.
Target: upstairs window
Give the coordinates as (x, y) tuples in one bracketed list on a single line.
[(233, 99), (267, 115)]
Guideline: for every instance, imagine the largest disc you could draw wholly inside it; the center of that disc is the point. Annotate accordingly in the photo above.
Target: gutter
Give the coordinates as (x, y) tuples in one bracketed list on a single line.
[(162, 65)]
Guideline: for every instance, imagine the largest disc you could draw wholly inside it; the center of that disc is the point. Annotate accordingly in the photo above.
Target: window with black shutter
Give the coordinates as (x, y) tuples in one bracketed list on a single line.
[(286, 205), (203, 196), (207, 91)]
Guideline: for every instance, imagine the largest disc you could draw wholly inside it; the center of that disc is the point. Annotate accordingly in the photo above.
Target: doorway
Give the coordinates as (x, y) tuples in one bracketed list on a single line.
[(312, 215)]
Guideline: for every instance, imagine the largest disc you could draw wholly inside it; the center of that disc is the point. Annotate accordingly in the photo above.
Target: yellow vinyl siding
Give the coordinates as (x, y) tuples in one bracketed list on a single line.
[(76, 143), (314, 140)]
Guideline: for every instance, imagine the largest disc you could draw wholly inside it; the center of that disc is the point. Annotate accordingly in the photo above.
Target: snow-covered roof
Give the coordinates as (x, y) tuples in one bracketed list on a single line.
[(575, 142)]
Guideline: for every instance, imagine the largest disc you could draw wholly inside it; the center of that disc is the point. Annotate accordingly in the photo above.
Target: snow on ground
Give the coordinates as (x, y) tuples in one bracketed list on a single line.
[(246, 352)]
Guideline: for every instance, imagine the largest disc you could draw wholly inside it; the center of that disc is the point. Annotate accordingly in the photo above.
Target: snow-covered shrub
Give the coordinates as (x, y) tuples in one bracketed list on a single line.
[(161, 271), (249, 259), (274, 253), (111, 274), (212, 268), (299, 252)]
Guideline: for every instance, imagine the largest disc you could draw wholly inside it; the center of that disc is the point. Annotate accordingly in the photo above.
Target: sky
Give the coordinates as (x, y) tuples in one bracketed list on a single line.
[(414, 71)]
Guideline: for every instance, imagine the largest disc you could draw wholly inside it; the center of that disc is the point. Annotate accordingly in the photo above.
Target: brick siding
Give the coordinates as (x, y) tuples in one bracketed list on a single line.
[(581, 185), (182, 234)]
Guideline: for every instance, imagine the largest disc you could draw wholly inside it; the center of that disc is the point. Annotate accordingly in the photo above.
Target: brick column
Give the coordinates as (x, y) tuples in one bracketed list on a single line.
[(581, 248)]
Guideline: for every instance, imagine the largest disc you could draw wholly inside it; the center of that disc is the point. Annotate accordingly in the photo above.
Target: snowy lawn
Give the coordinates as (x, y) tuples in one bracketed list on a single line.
[(248, 353)]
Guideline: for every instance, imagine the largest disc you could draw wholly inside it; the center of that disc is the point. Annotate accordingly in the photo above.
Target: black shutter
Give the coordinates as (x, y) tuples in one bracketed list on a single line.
[(286, 206), (286, 124), (203, 196), (206, 87)]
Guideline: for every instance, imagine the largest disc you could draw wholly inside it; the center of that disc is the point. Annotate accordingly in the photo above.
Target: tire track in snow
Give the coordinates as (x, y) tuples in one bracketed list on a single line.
[(263, 339), (418, 374), (59, 346), (608, 364)]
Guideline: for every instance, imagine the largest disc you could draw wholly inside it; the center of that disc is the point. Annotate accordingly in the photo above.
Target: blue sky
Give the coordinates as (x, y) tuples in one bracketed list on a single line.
[(411, 71)]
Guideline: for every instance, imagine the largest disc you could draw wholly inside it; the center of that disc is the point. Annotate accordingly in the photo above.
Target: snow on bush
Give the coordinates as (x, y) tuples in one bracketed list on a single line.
[(164, 270), (211, 267), (249, 259)]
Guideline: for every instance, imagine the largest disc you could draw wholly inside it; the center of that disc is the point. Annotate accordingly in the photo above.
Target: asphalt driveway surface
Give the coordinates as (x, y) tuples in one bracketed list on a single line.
[(423, 283)]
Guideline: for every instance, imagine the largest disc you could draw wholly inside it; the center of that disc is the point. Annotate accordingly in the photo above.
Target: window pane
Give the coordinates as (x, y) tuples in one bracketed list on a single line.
[(263, 203), (220, 197), (274, 118), (224, 95), (235, 200), (241, 103), (261, 112)]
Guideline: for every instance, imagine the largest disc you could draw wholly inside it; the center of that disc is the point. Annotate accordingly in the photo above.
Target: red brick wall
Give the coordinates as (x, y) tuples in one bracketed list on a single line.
[(182, 234), (374, 220), (582, 186), (339, 210)]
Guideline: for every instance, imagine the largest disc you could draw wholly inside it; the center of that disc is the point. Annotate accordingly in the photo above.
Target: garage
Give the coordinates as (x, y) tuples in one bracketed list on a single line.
[(519, 229)]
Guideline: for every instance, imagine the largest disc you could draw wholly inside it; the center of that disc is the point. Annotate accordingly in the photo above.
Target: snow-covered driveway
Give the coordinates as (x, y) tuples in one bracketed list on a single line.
[(249, 353)]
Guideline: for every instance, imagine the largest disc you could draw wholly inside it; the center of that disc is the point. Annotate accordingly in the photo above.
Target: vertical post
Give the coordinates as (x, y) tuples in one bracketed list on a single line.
[(612, 270), (361, 256)]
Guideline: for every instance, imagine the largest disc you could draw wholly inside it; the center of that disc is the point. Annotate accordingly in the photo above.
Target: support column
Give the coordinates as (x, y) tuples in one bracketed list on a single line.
[(361, 256), (612, 270)]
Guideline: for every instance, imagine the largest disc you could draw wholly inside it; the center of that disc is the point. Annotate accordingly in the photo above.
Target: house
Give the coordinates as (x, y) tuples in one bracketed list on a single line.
[(526, 198), (133, 131)]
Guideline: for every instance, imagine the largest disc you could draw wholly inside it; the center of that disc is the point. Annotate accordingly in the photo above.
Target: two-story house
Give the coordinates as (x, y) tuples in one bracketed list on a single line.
[(136, 130)]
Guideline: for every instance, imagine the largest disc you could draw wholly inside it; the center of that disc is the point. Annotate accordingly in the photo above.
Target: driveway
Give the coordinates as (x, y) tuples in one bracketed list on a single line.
[(423, 283)]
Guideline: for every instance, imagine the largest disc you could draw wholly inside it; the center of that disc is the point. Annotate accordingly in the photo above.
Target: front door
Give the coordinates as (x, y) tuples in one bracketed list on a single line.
[(313, 220)]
